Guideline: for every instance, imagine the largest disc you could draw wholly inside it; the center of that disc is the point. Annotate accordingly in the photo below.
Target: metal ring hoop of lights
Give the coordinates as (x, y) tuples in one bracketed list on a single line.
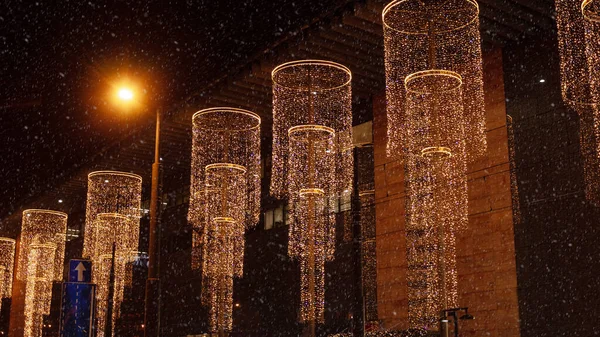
[(115, 173), (303, 63), (45, 211), (586, 11), (454, 79), (206, 112), (233, 167), (394, 4), (311, 191)]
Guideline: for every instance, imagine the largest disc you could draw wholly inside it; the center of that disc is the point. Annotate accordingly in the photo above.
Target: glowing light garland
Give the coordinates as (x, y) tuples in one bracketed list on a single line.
[(7, 260), (436, 123), (40, 263), (312, 165), (579, 45), (224, 201), (112, 219)]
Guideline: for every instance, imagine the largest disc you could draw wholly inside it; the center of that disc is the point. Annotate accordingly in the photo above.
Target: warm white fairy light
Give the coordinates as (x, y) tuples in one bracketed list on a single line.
[(579, 45), (112, 219), (312, 164), (7, 260), (225, 200), (436, 123), (40, 263)]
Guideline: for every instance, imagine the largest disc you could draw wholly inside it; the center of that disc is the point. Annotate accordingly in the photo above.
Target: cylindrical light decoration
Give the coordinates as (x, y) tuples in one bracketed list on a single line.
[(312, 165), (224, 201), (436, 123), (436, 197), (7, 260), (447, 32), (578, 24), (40, 263), (112, 233)]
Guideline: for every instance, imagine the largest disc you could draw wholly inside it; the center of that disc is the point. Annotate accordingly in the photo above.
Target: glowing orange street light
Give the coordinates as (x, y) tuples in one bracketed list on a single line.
[(125, 94)]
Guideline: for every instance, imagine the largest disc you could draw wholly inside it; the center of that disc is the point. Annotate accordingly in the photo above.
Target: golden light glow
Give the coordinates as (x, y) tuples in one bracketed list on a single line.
[(312, 164), (112, 218), (578, 25), (125, 94), (7, 260), (436, 124), (40, 263), (224, 201)]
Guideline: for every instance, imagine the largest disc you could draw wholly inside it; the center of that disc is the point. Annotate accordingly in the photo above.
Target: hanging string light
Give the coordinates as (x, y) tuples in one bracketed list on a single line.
[(410, 27), (579, 45), (40, 263), (224, 201), (436, 123), (312, 165), (436, 185), (7, 260), (112, 231)]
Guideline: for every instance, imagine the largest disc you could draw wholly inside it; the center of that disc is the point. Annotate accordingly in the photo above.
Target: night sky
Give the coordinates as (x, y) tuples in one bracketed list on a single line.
[(59, 58)]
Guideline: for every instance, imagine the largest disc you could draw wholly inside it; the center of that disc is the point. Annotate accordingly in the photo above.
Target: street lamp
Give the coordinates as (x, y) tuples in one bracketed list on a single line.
[(453, 312), (151, 324)]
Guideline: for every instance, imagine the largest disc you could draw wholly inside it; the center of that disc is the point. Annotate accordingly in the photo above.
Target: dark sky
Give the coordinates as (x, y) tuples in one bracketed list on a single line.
[(58, 58)]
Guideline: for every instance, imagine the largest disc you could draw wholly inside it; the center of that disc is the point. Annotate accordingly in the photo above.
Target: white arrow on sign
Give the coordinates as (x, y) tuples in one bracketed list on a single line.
[(80, 269)]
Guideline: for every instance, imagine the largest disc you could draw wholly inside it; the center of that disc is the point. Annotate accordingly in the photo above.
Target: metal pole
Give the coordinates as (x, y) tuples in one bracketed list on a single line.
[(152, 308), (108, 332), (359, 304)]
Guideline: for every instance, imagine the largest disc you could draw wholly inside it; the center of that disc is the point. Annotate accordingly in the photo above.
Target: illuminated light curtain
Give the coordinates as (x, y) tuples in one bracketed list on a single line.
[(579, 46), (7, 260), (436, 185), (436, 124), (112, 219), (312, 165), (224, 202), (514, 186), (122, 232), (40, 263), (453, 39)]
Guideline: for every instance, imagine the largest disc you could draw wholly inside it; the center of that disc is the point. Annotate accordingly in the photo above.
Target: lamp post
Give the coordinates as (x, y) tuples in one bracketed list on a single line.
[(453, 312), (152, 299)]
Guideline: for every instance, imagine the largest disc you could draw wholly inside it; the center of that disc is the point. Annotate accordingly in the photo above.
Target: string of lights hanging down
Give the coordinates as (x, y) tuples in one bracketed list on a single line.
[(7, 260), (111, 238), (225, 200), (436, 124), (40, 263), (579, 45), (312, 166)]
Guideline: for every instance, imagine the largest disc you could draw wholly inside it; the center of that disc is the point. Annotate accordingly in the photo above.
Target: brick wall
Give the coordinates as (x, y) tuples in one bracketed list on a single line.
[(485, 251)]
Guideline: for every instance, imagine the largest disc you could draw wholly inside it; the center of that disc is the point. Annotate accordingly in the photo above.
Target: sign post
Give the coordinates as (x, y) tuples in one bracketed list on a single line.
[(78, 296)]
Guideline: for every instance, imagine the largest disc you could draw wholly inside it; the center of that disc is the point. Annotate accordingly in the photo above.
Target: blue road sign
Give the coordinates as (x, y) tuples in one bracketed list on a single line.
[(80, 271), (77, 309)]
